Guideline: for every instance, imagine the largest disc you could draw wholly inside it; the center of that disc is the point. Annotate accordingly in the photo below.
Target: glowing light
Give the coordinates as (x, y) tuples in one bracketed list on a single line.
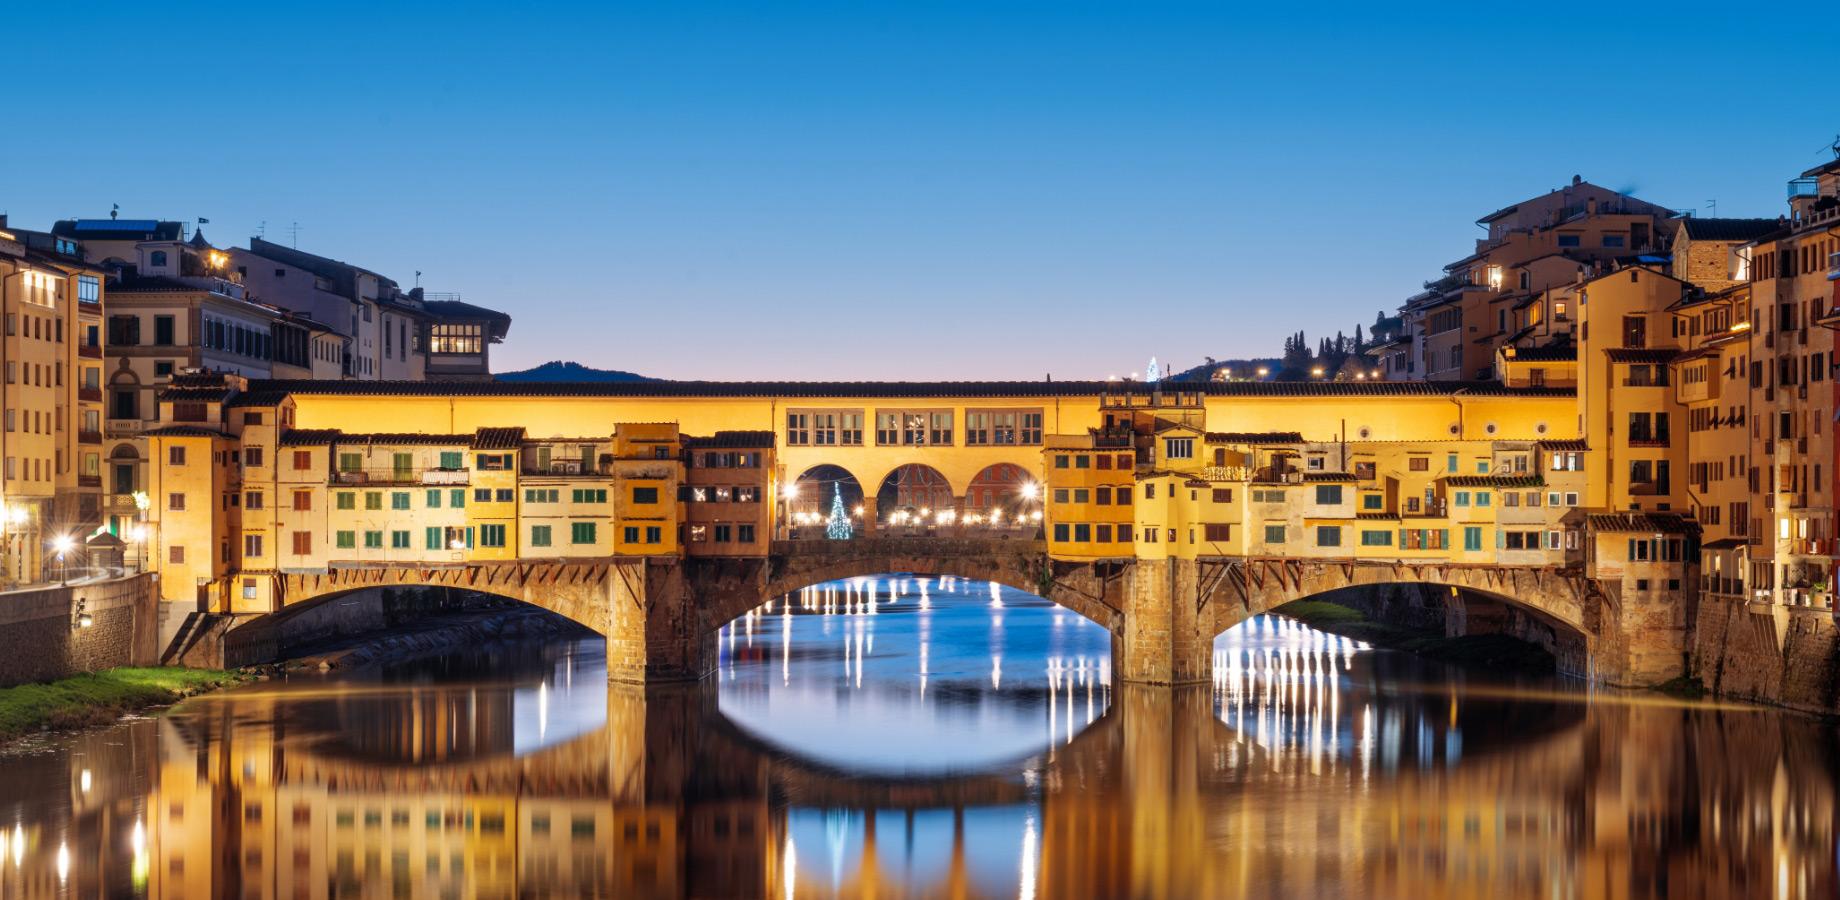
[(1030, 490), (63, 862), (1263, 371), (62, 544), (1317, 371), (83, 781)]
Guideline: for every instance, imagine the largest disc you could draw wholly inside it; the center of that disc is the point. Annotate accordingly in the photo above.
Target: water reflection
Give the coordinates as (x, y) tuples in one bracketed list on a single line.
[(1310, 768), (968, 675)]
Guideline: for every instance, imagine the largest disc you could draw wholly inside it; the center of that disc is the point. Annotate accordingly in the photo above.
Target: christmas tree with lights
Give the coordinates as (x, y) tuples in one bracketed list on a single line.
[(838, 528)]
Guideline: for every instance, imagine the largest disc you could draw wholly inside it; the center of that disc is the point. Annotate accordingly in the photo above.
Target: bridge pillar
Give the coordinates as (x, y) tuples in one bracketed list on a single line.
[(653, 632), (1163, 639)]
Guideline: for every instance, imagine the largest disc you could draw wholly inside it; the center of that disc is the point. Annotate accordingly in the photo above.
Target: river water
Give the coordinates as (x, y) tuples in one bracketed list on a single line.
[(908, 736)]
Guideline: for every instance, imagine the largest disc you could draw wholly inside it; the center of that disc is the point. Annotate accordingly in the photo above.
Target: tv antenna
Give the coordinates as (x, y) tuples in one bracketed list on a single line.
[(1834, 147), (262, 229), (1714, 206), (294, 235)]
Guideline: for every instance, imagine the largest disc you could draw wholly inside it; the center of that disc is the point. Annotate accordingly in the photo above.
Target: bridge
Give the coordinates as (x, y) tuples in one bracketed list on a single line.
[(660, 615)]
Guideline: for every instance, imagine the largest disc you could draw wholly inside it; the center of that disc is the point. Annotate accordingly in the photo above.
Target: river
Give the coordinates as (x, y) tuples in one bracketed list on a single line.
[(907, 736)]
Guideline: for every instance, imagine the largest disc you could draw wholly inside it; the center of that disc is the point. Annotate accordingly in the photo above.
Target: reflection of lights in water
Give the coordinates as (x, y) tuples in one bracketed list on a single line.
[(1028, 859), (63, 862), (792, 867), (996, 671), (542, 709), (837, 835), (19, 845), (996, 594), (83, 781), (1278, 684)]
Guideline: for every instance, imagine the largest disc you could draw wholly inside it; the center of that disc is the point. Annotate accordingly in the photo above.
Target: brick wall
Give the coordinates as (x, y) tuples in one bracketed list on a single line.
[(39, 642)]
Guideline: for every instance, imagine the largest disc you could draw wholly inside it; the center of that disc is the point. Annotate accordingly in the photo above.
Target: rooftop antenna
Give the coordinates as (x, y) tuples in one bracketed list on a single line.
[(262, 229), (114, 210), (418, 277), (294, 235)]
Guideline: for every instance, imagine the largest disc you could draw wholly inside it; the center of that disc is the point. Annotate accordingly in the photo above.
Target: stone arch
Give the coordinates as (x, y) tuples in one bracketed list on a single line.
[(1091, 591), (913, 490), (809, 497), (1004, 486), (1560, 612)]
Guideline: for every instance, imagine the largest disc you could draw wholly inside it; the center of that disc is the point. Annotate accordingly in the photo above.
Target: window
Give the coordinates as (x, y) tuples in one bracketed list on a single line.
[(798, 429), (303, 501), (491, 535), (1376, 538), (1373, 501), (175, 555), (1569, 240), (351, 462), (1179, 448), (451, 337), (1450, 463), (303, 460), (1482, 498), (345, 500), (482, 495), (1472, 538), (303, 543), (1216, 533), (373, 499), (399, 540), (175, 456), (373, 540), (163, 331), (1462, 498), (451, 459), (654, 534), (1222, 495), (504, 495), (1328, 535), (456, 497), (1062, 532), (599, 495), (252, 545), (1274, 534), (583, 532), (644, 495), (399, 500), (433, 498), (1328, 494), (431, 538), (253, 500), (174, 502), (345, 540), (744, 534)]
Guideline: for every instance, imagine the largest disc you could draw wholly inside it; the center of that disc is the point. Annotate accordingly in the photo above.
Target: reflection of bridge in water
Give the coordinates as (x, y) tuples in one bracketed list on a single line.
[(1318, 786)]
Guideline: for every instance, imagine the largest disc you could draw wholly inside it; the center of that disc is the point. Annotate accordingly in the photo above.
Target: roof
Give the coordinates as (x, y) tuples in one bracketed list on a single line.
[(1254, 437), (117, 229), (185, 431), (1573, 446), (1496, 481), (1329, 476), (1823, 168), (498, 438), (743, 440), (1643, 523), (182, 394), (1725, 543), (840, 389), (1727, 229), (315, 437), (1377, 516), (456, 309), (1641, 354)]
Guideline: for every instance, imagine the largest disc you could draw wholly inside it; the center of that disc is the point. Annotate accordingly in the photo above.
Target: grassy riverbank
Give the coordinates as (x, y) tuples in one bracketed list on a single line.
[(98, 698), (1495, 651)]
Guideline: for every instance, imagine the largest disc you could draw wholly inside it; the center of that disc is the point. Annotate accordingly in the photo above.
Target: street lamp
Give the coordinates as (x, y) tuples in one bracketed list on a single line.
[(63, 544)]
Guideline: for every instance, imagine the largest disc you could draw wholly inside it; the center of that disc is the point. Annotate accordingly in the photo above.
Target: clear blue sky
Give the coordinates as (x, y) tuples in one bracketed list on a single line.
[(917, 189)]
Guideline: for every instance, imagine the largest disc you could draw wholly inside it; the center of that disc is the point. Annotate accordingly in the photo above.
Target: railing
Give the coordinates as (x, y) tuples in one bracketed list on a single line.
[(563, 467), (1645, 489), (401, 476), (1648, 442), (94, 481), (1714, 584), (89, 351), (1812, 547), (1833, 267), (125, 426), (89, 437), (1227, 473), (1804, 187), (90, 394)]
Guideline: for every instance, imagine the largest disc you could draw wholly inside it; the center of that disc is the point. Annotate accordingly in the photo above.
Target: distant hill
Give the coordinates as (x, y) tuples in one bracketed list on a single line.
[(568, 371)]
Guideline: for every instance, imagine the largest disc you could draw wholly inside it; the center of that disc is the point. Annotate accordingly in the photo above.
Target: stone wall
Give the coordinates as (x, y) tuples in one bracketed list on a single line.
[(39, 640), (1788, 657)]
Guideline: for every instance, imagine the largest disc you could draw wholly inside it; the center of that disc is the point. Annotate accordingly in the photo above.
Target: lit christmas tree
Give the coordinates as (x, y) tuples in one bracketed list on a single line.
[(838, 528)]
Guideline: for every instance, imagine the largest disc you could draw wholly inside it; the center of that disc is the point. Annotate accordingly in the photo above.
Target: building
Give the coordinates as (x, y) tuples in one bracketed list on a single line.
[(50, 439), (388, 334), (1499, 295)]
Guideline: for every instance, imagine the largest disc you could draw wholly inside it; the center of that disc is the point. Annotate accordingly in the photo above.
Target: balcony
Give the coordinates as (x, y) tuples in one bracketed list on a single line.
[(89, 394), (1822, 547), (1833, 267), (91, 481), (569, 468), (1227, 473), (394, 476), (1649, 442), (125, 427), (89, 351), (89, 437), (1804, 187), (1646, 489)]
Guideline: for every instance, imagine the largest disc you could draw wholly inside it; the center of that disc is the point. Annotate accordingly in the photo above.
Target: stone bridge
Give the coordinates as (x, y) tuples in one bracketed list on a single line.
[(660, 616)]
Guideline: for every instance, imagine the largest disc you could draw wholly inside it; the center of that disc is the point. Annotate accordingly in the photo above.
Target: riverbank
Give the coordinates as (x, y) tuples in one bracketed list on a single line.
[(1493, 651), (98, 698)]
